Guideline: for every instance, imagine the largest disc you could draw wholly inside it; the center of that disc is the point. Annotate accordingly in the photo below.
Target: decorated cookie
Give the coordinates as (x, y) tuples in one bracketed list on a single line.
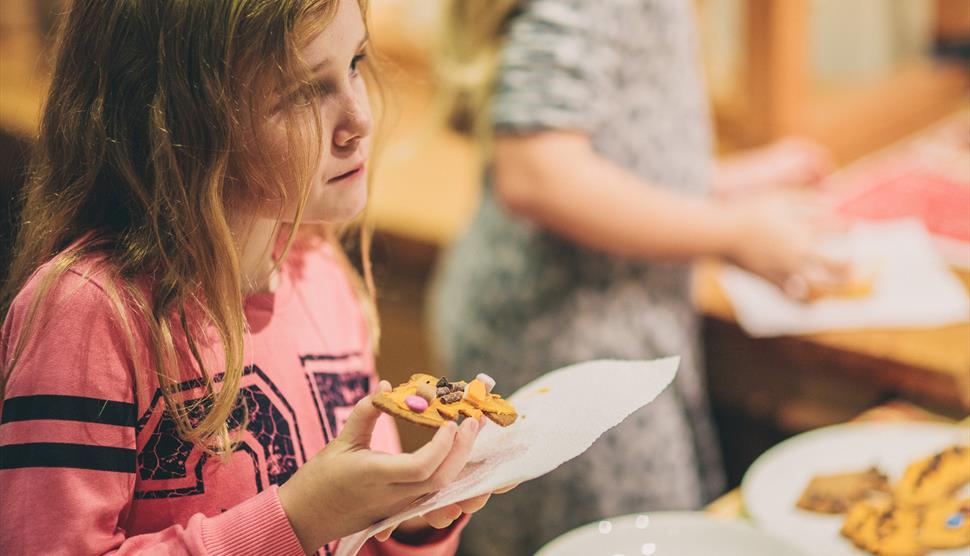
[(860, 520), (946, 525), (921, 513), (834, 494), (934, 479), (878, 526), (432, 402), (896, 533)]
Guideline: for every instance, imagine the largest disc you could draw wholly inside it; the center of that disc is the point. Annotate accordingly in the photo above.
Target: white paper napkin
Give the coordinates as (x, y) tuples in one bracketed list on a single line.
[(561, 414), (913, 287)]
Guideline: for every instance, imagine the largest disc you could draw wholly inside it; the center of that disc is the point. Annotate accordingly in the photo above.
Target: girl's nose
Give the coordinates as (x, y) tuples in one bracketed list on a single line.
[(356, 125)]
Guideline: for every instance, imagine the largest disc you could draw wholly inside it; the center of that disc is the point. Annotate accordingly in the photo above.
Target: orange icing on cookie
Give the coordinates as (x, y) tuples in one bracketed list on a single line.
[(475, 393)]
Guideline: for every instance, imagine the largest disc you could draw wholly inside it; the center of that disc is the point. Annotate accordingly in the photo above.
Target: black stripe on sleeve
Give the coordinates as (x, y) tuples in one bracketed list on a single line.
[(68, 408), (75, 456)]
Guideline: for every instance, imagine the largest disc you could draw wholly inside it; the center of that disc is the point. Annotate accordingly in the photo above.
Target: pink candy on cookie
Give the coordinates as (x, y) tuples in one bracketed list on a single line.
[(416, 404)]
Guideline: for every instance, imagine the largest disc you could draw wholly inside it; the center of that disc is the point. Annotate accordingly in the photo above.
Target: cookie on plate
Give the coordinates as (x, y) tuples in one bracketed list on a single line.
[(946, 525), (935, 478), (835, 494), (859, 525), (877, 525)]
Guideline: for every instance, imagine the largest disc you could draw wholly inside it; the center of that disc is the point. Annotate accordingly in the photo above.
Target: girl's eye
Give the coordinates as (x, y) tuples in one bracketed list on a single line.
[(300, 98), (306, 95), (355, 63)]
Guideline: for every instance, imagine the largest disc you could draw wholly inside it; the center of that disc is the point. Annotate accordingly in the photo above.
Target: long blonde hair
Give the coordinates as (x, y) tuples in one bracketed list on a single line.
[(141, 160), (466, 61)]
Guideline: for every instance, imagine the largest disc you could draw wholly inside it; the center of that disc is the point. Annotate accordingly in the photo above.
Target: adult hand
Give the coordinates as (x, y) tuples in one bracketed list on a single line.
[(778, 238)]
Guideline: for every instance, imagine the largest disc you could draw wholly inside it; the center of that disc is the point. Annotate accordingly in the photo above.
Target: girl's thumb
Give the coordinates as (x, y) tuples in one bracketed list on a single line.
[(360, 424)]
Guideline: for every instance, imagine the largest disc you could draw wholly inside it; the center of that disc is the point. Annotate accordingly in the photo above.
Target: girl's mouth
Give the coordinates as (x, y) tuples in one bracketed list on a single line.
[(348, 176)]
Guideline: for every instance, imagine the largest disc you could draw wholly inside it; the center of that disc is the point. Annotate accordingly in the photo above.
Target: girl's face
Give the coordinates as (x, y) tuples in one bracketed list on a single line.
[(338, 188)]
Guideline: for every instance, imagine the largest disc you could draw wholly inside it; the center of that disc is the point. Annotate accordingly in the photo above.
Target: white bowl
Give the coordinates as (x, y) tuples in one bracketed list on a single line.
[(667, 534)]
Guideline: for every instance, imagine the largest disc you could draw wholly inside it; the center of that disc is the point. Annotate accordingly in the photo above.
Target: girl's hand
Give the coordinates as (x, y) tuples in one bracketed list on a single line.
[(792, 161), (441, 518), (777, 238), (418, 529), (347, 486)]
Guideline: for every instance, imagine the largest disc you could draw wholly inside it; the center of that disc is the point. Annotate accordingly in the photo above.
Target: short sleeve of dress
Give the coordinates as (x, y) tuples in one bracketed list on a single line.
[(555, 67)]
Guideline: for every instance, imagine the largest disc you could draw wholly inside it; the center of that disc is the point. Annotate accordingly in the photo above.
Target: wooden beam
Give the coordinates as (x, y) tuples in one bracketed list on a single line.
[(777, 68)]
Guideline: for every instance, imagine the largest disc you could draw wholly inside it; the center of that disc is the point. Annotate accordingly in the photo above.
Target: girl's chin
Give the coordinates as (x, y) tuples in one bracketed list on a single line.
[(333, 215), (333, 207)]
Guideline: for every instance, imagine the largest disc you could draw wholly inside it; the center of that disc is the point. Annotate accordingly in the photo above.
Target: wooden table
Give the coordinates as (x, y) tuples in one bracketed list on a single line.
[(924, 362), (764, 390)]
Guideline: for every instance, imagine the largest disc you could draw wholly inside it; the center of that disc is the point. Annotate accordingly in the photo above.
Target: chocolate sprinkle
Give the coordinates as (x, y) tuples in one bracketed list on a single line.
[(452, 397)]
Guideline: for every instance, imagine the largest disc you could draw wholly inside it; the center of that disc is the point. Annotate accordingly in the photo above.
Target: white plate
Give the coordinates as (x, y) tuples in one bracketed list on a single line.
[(667, 534), (773, 484)]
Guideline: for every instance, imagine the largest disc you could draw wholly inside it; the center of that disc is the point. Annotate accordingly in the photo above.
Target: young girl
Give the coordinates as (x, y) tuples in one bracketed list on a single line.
[(599, 157), (177, 345)]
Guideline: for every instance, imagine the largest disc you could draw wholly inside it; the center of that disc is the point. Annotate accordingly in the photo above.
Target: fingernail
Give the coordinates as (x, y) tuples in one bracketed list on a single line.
[(472, 426)]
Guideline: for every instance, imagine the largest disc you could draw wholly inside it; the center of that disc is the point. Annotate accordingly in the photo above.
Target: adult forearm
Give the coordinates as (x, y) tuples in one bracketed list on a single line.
[(594, 202)]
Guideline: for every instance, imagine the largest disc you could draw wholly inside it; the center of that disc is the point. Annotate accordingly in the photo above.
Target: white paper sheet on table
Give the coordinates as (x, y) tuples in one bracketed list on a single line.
[(913, 288), (561, 414)]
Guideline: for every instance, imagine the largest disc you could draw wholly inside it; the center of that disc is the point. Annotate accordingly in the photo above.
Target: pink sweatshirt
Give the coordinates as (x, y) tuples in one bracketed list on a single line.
[(90, 460)]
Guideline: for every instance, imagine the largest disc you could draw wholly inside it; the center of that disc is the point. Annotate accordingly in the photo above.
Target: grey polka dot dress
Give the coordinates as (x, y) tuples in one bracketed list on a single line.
[(516, 301)]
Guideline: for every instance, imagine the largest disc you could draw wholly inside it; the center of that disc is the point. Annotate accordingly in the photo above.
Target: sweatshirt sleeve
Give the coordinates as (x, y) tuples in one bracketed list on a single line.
[(67, 441)]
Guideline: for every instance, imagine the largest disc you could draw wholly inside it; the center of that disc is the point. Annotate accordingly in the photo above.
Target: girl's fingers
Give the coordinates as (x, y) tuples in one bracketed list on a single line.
[(359, 426), (472, 505), (385, 534), (505, 489), (443, 517), (456, 459), (419, 466)]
